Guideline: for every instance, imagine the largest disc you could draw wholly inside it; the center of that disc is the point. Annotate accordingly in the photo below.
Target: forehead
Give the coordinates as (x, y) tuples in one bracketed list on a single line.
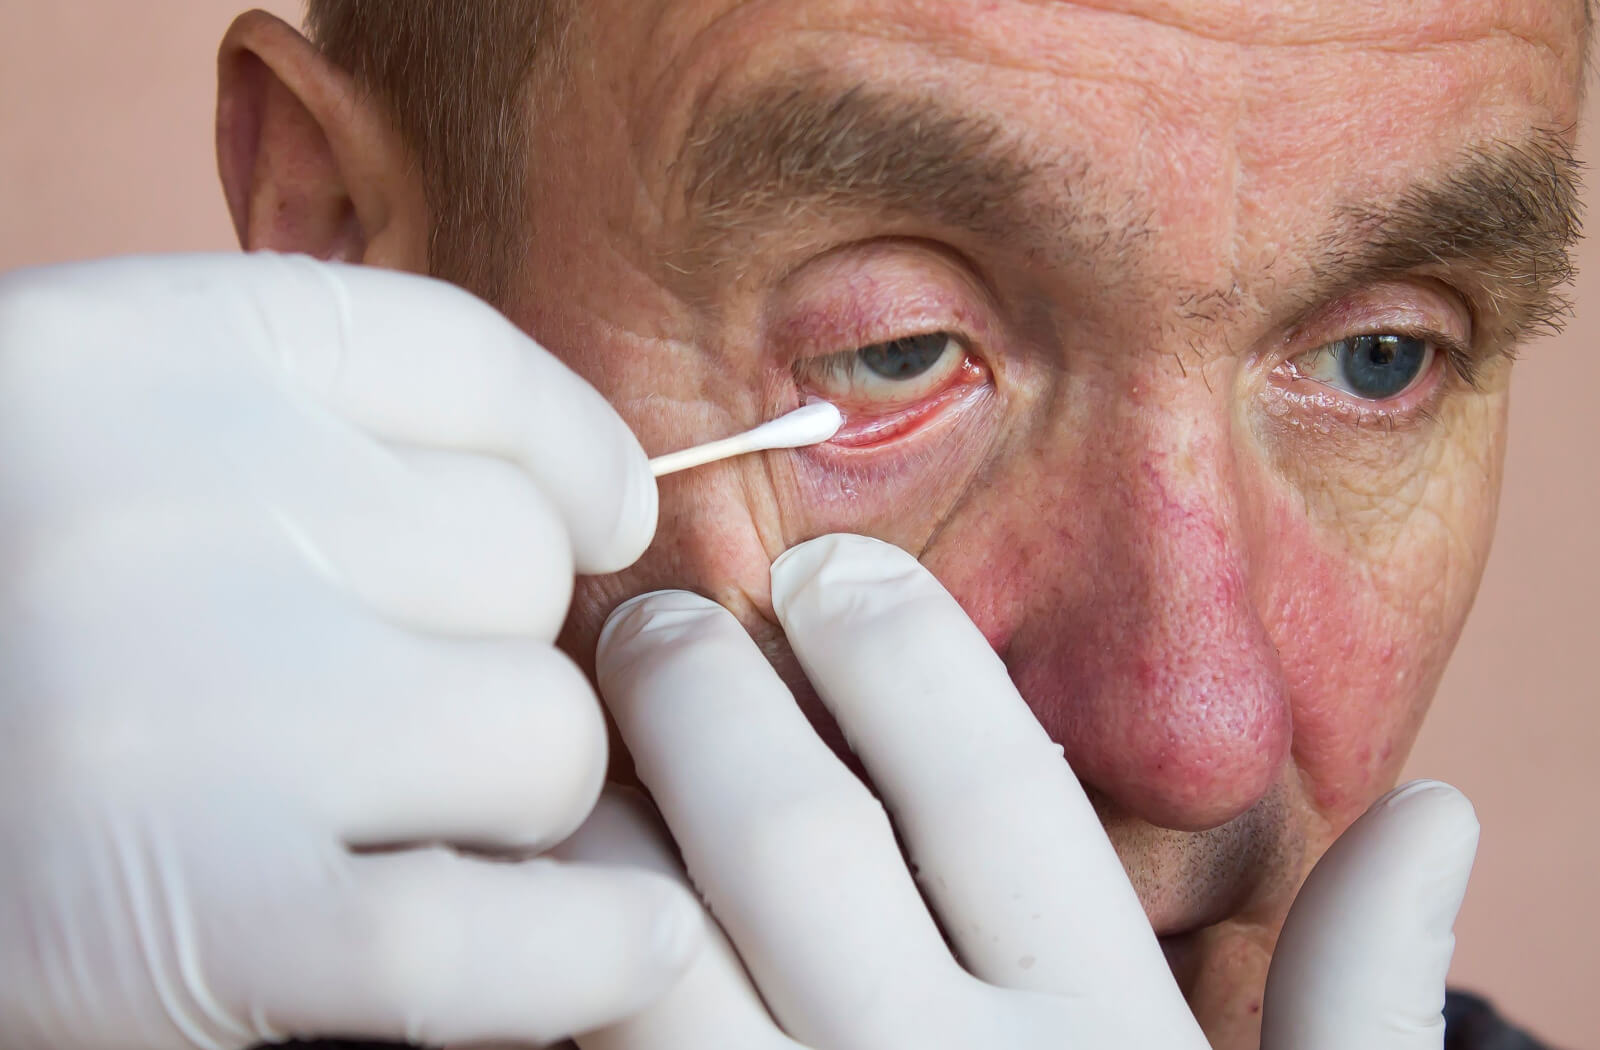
[(1032, 31), (1150, 73), (1232, 131)]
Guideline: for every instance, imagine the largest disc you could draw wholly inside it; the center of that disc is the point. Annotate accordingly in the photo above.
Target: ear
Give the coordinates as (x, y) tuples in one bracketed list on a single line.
[(309, 162)]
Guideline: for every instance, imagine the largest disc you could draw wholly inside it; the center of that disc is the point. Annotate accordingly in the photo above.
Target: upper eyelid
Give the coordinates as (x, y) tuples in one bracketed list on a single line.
[(832, 336), (882, 288), (962, 338), (1443, 340), (1412, 308), (910, 333), (843, 355), (1390, 302)]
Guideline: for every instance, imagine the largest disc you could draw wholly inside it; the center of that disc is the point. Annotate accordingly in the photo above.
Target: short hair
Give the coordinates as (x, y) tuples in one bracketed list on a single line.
[(454, 76)]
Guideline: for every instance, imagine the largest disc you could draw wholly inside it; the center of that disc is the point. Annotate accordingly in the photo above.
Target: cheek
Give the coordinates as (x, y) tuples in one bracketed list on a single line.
[(1365, 621), (901, 495), (1361, 659)]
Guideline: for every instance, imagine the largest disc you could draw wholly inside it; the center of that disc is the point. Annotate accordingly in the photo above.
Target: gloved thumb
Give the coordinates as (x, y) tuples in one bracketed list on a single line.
[(1363, 956)]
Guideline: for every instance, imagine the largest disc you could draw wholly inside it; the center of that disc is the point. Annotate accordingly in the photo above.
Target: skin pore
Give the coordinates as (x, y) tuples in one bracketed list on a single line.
[(1189, 329)]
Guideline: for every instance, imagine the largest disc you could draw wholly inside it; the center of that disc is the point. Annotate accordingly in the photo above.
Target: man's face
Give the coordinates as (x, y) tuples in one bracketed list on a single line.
[(1171, 335)]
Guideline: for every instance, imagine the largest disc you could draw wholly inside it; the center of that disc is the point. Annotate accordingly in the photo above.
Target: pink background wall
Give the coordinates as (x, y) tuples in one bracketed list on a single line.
[(105, 147)]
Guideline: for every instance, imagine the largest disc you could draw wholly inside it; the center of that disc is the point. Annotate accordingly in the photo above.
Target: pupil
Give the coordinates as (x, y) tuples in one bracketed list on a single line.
[(905, 358), (1381, 366)]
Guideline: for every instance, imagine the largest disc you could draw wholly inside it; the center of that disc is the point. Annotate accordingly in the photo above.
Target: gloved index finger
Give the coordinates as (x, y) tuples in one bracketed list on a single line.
[(417, 361), (1004, 839)]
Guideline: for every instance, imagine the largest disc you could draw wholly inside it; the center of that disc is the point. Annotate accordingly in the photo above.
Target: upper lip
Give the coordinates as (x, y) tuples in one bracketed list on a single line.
[(1188, 881)]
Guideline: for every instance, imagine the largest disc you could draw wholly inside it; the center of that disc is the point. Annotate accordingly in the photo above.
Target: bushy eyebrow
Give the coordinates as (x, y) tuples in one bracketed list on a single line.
[(1504, 219), (787, 149), (1506, 213)]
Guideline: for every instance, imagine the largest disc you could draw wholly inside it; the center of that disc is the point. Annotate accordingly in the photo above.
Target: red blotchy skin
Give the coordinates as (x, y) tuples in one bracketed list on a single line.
[(1103, 674), (1228, 595)]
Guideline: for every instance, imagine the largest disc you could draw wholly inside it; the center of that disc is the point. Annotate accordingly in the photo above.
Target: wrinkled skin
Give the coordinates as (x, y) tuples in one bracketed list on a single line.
[(1225, 585), (1228, 592)]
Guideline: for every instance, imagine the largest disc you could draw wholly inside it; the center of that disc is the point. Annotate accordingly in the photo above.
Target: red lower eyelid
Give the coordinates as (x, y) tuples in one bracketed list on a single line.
[(860, 431), (866, 426)]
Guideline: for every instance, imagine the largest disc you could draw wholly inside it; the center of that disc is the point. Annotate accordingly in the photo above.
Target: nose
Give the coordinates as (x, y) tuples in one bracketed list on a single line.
[(1143, 651)]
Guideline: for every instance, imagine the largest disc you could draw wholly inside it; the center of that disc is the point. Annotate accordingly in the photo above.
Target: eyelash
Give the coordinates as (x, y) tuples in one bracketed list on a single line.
[(1459, 360), (1459, 363), (1458, 355)]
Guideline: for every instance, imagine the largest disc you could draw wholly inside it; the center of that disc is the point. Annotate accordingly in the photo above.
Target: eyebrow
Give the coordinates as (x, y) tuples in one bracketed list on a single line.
[(783, 149), (1506, 214), (1506, 218)]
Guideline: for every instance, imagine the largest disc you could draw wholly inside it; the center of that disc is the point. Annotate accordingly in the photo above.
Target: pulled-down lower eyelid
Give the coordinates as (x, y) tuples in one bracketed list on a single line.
[(896, 391), (866, 430)]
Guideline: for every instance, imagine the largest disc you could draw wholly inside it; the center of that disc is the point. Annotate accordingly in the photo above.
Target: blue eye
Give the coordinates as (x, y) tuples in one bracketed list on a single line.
[(905, 358), (1381, 366), (1373, 367)]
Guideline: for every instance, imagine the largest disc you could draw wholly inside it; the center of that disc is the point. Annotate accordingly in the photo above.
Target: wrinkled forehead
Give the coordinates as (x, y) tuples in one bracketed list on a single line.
[(1220, 124), (1037, 26), (674, 64)]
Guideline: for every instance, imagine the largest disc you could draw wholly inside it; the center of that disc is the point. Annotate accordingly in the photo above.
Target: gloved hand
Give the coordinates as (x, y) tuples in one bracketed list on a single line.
[(283, 550), (800, 865)]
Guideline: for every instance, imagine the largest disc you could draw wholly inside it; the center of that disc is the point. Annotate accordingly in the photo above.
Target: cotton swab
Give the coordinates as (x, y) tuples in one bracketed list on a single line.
[(807, 425)]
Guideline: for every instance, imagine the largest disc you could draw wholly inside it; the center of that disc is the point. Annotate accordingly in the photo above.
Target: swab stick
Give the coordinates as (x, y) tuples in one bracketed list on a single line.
[(807, 425)]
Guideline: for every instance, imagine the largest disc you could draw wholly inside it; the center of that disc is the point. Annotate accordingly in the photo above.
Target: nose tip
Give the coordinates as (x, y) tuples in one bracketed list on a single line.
[(1183, 721), (1209, 728), (1162, 679)]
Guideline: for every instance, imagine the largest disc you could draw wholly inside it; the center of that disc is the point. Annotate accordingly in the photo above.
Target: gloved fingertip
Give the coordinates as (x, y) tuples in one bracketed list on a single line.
[(641, 509), (833, 559), (678, 933), (638, 511), (1433, 811), (1422, 787), (663, 615)]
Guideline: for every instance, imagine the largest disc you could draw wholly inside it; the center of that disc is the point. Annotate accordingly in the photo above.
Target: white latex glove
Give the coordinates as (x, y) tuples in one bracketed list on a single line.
[(283, 550), (800, 865)]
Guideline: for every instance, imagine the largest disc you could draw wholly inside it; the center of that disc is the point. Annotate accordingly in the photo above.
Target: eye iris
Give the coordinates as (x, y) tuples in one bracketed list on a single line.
[(1381, 366), (905, 358)]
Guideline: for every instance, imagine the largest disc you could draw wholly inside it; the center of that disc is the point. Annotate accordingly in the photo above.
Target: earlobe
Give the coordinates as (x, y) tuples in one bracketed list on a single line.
[(309, 162)]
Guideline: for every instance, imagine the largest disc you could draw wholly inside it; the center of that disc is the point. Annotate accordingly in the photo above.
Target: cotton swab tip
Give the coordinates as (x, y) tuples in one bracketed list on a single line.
[(809, 424)]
